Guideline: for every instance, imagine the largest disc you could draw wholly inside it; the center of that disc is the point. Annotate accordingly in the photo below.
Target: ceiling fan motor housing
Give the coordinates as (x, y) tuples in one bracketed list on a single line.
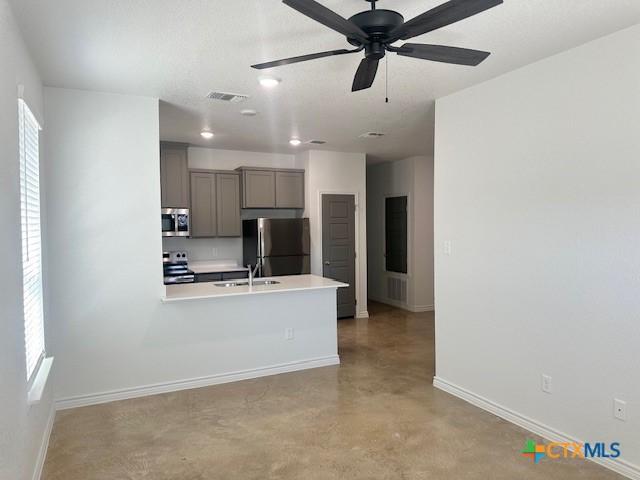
[(378, 24)]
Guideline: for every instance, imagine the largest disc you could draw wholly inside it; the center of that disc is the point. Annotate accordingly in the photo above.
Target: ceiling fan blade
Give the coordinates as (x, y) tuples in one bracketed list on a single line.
[(440, 53), (302, 58), (328, 18), (450, 12), (365, 75)]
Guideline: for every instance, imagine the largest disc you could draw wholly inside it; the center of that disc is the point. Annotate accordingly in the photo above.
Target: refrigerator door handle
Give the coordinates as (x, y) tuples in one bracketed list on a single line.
[(259, 259)]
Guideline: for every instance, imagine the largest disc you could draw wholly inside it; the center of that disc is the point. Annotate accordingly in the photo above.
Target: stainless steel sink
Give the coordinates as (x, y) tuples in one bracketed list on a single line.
[(266, 282), (232, 284), (244, 284)]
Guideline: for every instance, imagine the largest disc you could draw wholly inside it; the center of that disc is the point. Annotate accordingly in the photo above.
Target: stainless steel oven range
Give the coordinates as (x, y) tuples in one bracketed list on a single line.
[(176, 268)]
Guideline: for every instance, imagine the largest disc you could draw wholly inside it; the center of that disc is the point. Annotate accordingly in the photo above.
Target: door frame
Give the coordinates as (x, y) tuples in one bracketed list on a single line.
[(359, 312)]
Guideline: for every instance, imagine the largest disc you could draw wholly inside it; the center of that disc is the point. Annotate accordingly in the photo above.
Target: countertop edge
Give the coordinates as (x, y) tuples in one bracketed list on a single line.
[(165, 299)]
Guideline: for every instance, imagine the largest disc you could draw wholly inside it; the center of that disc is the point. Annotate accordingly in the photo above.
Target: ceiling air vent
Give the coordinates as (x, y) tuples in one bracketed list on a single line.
[(316, 142), (372, 135), (227, 97)]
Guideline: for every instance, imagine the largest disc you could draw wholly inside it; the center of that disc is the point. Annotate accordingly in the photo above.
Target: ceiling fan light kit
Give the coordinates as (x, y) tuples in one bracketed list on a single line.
[(375, 30)]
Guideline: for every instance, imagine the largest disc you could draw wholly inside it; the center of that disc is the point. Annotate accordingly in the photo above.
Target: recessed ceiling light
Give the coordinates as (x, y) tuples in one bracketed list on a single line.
[(248, 113), (269, 82), (207, 134), (295, 142)]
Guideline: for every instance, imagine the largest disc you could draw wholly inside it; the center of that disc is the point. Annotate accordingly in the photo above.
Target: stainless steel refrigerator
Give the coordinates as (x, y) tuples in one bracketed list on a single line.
[(279, 246)]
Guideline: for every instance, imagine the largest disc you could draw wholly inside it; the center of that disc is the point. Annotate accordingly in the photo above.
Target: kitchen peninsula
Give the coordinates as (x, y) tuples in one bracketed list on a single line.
[(280, 327), (262, 286)]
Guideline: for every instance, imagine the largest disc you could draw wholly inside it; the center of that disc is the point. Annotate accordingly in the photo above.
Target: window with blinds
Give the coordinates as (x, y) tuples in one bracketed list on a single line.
[(29, 131)]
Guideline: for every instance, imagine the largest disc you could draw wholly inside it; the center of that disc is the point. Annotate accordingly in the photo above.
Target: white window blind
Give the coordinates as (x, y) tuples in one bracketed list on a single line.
[(29, 131)]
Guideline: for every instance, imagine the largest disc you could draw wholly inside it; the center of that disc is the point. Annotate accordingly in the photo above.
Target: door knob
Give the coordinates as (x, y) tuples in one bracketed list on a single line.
[(327, 263)]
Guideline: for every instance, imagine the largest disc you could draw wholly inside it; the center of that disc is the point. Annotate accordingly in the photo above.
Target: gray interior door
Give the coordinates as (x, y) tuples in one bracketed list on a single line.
[(339, 248)]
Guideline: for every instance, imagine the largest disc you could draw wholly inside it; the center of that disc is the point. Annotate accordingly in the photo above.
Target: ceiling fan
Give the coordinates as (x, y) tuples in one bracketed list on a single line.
[(375, 30)]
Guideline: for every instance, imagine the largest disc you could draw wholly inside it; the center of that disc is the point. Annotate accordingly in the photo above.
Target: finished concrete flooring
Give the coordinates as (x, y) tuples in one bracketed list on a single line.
[(376, 416)]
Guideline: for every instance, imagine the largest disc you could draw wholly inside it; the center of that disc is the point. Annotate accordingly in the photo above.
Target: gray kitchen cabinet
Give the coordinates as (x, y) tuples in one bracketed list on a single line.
[(220, 276), (235, 275), (272, 188), (289, 189), (174, 175), (203, 205), (258, 189), (208, 277), (228, 204), (215, 204)]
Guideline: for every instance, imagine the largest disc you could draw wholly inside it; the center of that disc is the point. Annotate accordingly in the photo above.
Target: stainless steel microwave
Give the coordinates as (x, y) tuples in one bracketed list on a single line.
[(175, 222)]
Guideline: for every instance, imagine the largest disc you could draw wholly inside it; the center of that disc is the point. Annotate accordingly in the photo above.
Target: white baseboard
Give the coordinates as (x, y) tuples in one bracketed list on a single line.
[(421, 308), (44, 445), (619, 466), (404, 306), (147, 390), (393, 303)]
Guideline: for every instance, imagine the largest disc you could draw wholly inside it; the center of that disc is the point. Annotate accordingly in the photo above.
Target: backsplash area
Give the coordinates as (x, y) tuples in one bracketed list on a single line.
[(200, 249)]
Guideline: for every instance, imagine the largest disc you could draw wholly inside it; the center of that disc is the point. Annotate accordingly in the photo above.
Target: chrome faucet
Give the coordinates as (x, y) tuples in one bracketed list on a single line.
[(252, 273)]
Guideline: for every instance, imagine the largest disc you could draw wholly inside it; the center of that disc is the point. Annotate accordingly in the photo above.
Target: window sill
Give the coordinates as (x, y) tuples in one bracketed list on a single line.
[(40, 381)]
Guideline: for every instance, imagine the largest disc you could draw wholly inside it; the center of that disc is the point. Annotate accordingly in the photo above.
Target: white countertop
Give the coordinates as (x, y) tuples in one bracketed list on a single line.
[(216, 266), (293, 283)]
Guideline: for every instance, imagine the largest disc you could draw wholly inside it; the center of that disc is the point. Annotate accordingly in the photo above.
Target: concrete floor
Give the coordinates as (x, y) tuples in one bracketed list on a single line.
[(377, 416)]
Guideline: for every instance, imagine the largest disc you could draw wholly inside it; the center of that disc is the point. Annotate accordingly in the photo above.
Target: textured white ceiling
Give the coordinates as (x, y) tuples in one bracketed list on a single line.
[(179, 50)]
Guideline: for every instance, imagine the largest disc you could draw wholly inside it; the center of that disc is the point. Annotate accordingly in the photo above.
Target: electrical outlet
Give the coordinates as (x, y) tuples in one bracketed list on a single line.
[(214, 252), (620, 409), (447, 247), (288, 334), (547, 386)]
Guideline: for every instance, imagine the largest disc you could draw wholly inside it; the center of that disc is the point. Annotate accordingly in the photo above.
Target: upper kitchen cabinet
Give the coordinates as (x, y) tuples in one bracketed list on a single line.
[(215, 204), (272, 188), (174, 175), (258, 188), (228, 204), (289, 189), (203, 205)]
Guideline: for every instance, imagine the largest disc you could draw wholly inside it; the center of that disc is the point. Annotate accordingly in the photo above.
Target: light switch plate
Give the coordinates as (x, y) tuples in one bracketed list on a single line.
[(447, 247)]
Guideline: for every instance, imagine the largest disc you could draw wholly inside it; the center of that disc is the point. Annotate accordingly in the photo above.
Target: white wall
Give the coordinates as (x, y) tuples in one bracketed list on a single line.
[(538, 187), (412, 177), (105, 272), (23, 429), (112, 335), (423, 234), (336, 172), (231, 159)]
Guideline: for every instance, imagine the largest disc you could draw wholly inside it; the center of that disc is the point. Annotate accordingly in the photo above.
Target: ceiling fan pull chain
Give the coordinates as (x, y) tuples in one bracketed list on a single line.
[(386, 73)]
